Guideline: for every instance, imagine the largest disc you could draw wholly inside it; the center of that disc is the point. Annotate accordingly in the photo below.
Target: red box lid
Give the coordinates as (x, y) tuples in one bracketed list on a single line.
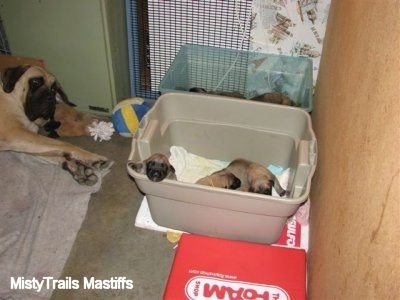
[(214, 268)]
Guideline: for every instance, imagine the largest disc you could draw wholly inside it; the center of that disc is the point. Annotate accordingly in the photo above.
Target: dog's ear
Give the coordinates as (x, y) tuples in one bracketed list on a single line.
[(10, 76), (139, 167), (61, 95), (171, 169), (236, 183)]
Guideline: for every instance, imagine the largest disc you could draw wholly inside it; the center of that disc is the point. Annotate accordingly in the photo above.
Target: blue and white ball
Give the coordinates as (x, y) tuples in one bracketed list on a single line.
[(127, 115)]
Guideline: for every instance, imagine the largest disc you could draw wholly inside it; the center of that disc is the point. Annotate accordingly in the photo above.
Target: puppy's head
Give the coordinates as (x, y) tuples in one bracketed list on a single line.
[(261, 181), (36, 88), (261, 187), (224, 180), (156, 167)]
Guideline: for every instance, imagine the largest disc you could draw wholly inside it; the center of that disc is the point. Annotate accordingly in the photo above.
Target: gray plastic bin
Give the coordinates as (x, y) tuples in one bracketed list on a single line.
[(225, 128)]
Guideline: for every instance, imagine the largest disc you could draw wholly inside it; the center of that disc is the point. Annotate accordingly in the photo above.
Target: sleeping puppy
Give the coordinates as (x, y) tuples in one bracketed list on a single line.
[(221, 93), (27, 100), (156, 167), (258, 178), (220, 179), (254, 177), (275, 98), (271, 97)]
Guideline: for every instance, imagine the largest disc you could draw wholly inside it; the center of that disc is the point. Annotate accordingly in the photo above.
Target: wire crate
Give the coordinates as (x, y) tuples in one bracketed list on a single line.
[(248, 73)]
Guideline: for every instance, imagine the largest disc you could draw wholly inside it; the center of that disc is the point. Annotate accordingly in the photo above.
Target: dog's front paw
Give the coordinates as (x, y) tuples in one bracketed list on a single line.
[(82, 173)]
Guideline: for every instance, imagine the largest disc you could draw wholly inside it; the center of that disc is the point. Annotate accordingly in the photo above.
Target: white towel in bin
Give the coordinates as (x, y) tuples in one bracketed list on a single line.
[(190, 167)]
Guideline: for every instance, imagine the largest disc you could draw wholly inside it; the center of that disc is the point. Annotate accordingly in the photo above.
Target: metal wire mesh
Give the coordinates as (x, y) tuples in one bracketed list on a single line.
[(208, 68), (4, 46), (157, 29)]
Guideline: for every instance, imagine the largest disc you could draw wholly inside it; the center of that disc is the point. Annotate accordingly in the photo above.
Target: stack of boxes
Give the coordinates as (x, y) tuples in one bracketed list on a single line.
[(229, 254)]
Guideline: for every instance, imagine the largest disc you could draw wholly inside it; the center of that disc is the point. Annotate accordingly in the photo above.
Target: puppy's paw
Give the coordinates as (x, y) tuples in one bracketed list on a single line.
[(138, 167)]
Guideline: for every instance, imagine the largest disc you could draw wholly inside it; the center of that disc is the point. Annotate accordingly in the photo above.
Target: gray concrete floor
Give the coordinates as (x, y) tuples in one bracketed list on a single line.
[(108, 243)]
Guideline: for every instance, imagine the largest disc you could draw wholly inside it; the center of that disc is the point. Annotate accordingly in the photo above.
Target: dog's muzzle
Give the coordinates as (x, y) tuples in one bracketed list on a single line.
[(41, 104), (156, 171)]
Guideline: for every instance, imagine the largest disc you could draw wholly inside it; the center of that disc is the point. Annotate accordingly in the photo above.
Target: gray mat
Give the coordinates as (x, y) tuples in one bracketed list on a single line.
[(41, 211)]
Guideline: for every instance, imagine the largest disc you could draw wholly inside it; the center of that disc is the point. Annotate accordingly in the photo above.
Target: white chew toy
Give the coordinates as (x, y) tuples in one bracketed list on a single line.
[(101, 130)]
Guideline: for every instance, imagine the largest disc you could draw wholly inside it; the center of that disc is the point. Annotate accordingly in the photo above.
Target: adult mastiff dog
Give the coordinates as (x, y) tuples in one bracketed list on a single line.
[(28, 97)]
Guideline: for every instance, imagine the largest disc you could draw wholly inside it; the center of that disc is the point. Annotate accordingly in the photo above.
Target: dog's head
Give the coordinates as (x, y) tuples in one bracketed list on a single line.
[(156, 167), (36, 88), (262, 186)]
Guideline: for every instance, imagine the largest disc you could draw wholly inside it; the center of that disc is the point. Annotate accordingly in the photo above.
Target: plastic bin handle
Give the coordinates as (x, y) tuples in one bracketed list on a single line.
[(143, 141), (304, 152), (307, 152), (149, 131)]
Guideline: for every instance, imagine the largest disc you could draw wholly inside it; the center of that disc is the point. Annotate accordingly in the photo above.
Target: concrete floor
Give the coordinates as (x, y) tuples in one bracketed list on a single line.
[(108, 244)]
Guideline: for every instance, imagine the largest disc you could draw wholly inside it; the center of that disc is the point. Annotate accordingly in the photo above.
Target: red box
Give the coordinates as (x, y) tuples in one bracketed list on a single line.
[(213, 268)]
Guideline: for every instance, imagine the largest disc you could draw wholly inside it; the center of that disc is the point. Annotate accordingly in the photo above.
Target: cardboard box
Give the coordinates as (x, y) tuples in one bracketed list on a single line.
[(214, 268)]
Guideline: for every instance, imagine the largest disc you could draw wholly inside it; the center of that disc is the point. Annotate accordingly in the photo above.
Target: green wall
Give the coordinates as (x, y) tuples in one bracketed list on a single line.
[(82, 42)]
